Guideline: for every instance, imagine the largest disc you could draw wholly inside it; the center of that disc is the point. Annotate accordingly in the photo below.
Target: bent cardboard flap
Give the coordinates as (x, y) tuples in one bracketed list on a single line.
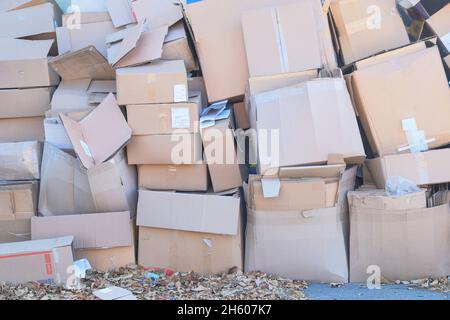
[(206, 213), (118, 51), (102, 230), (86, 63), (100, 134), (157, 12), (35, 246), (120, 12)]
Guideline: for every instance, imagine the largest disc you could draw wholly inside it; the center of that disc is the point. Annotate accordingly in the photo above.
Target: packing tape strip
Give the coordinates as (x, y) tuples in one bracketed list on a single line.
[(282, 50)]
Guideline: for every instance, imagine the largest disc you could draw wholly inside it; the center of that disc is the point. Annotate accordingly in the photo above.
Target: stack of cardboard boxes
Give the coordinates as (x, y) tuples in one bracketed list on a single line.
[(164, 108)]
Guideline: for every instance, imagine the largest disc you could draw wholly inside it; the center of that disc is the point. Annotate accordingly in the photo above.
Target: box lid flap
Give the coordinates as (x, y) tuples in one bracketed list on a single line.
[(118, 51), (101, 230), (157, 12), (176, 32), (329, 171), (100, 134), (34, 245), (17, 49), (120, 12), (206, 213)]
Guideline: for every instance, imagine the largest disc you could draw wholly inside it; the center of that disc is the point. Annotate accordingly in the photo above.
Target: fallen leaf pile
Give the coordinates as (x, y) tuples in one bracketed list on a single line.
[(159, 285)]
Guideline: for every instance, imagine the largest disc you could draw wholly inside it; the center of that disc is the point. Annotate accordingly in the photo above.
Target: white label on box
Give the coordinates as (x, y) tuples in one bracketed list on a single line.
[(180, 93), (446, 41), (180, 118), (86, 149)]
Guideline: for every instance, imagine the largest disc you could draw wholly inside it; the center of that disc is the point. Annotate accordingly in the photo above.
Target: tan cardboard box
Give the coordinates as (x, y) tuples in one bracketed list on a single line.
[(217, 30), (440, 24), (108, 187), (241, 119), (358, 21), (422, 168), (378, 199), (167, 118), (295, 41), (20, 4), (93, 235), (173, 177), (176, 47), (386, 117), (300, 237), (20, 161), (221, 156), (24, 64), (312, 120), (159, 12), (176, 148), (46, 261), (18, 203), (19, 103), (205, 237), (107, 259), (406, 244), (90, 34), (120, 12), (31, 129), (159, 82)]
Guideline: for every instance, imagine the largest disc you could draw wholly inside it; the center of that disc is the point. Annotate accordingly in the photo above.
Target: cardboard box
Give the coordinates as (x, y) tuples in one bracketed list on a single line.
[(90, 34), (300, 238), (158, 12), (217, 30), (168, 118), (17, 103), (132, 46), (159, 82), (23, 64), (176, 47), (86, 63), (98, 136), (29, 21), (357, 21), (240, 114), (422, 168), (93, 234), (120, 12), (20, 4), (18, 203), (440, 24), (406, 244), (173, 177), (288, 44), (31, 129), (45, 261), (108, 187), (20, 161), (378, 199), (387, 118), (204, 237), (108, 259), (72, 19), (313, 120), (177, 148), (224, 164)]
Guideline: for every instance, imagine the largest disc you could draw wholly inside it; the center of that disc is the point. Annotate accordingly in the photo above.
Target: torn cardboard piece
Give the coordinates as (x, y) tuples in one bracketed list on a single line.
[(176, 47), (157, 12), (121, 12), (98, 136), (114, 293)]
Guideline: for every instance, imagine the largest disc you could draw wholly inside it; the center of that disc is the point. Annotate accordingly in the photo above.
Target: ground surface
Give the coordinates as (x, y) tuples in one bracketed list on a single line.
[(151, 285)]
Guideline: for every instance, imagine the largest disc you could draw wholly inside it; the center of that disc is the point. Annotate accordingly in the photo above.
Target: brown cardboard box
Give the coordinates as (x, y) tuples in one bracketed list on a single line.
[(422, 168), (168, 118), (173, 177), (176, 47), (358, 21), (159, 82), (224, 164), (241, 119), (86, 63), (31, 129), (107, 259), (385, 117), (204, 236), (29, 21), (18, 203), (299, 238), (316, 119), (93, 235), (98, 136), (20, 4), (440, 24), (20, 161), (17, 103), (196, 84), (46, 261), (217, 29), (177, 148), (378, 199), (288, 44), (90, 34), (406, 244), (23, 64), (107, 187)]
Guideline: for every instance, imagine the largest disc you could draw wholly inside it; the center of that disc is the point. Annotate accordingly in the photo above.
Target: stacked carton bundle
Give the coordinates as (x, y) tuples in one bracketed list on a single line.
[(128, 128)]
